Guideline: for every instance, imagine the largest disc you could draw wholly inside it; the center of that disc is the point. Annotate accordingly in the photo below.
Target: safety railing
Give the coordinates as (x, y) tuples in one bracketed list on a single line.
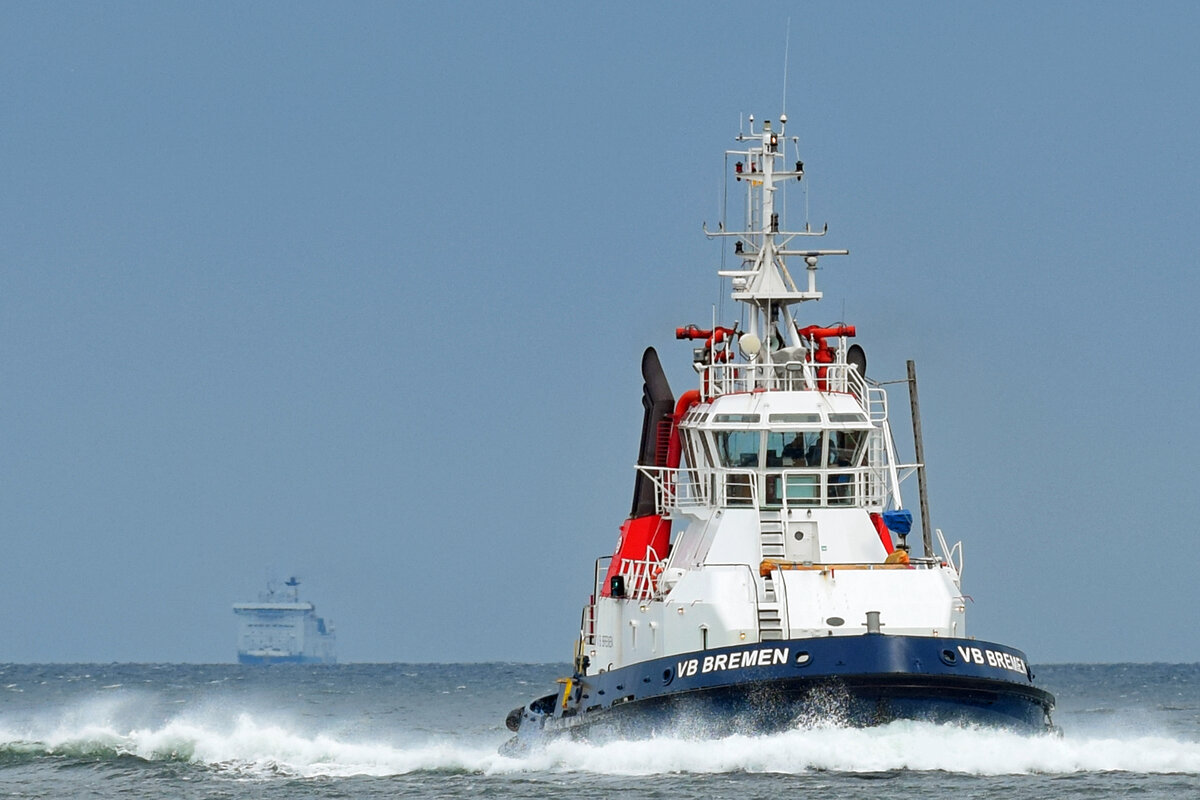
[(769, 565), (641, 576), (587, 623), (691, 488), (877, 406), (677, 488), (601, 570), (680, 489), (953, 556), (793, 376)]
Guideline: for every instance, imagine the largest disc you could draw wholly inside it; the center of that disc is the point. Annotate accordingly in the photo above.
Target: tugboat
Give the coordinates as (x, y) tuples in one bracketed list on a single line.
[(764, 579)]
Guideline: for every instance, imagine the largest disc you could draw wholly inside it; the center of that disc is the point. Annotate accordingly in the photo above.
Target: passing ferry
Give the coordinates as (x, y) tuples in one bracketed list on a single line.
[(764, 578), (283, 629)]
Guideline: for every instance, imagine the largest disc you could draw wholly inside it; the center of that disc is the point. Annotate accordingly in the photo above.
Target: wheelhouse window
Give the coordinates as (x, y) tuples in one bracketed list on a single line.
[(846, 448), (706, 448), (685, 443), (695, 449), (846, 451), (738, 449), (794, 449), (804, 459), (806, 418)]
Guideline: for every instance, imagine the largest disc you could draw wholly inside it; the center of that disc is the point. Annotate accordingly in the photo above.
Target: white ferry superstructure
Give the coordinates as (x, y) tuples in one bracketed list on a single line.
[(283, 629)]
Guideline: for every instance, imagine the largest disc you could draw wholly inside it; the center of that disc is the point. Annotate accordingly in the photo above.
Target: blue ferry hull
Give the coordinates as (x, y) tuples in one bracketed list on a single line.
[(246, 658), (773, 686)]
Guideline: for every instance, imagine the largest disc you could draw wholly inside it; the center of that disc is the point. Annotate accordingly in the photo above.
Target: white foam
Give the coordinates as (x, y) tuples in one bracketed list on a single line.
[(901, 745), (249, 745)]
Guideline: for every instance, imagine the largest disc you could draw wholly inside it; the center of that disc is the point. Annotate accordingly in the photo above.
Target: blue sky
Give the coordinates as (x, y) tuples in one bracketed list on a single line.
[(359, 293)]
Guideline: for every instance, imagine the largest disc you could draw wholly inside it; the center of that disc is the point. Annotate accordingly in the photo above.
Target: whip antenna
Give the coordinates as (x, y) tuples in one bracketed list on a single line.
[(787, 41)]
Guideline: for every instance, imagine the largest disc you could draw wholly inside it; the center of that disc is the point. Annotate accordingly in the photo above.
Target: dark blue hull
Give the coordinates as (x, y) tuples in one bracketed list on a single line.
[(772, 686)]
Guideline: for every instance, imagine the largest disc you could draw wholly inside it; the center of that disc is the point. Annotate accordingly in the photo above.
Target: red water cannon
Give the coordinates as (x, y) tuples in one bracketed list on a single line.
[(712, 337), (718, 334), (818, 334), (691, 332)]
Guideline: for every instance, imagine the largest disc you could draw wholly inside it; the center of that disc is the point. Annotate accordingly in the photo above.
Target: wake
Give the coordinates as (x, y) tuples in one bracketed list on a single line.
[(253, 747)]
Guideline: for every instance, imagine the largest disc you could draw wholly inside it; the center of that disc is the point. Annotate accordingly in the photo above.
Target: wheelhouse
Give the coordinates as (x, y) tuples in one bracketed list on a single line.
[(817, 457)]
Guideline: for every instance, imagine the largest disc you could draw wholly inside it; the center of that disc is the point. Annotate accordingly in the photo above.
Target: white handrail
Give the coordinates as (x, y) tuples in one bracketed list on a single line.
[(794, 376), (641, 577), (953, 555), (684, 488)]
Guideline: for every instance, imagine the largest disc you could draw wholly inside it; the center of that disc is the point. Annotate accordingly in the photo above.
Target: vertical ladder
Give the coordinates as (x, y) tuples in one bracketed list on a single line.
[(770, 532), (771, 540), (877, 461), (662, 441)]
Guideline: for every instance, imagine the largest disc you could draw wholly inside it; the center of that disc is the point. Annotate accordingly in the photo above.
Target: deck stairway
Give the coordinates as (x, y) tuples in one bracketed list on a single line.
[(771, 538)]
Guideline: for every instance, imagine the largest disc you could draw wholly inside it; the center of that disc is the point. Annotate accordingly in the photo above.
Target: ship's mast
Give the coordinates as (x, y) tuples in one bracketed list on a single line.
[(764, 281)]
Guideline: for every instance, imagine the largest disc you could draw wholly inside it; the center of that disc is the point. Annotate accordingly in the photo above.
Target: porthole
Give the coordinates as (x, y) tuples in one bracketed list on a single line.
[(835, 622)]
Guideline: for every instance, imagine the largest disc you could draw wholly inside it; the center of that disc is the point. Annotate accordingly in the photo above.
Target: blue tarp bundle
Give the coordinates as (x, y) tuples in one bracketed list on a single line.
[(898, 521)]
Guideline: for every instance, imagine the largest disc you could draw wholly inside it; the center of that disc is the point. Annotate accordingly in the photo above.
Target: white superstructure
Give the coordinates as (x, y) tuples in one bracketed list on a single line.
[(281, 628), (787, 467)]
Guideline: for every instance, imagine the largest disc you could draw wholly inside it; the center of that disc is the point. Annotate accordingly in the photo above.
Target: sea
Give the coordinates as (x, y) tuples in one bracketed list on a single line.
[(433, 731)]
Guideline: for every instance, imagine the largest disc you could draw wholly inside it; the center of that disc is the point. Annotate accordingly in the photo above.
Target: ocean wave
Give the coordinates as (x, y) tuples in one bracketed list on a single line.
[(253, 747), (907, 746)]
